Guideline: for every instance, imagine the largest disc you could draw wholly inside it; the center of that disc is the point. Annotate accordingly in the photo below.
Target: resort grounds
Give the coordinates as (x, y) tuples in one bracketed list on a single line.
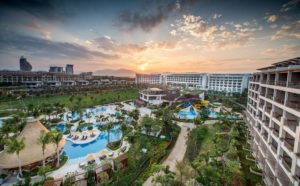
[(111, 141)]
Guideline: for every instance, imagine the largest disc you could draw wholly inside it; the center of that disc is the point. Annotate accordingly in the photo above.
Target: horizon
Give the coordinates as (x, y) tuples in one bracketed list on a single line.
[(148, 37)]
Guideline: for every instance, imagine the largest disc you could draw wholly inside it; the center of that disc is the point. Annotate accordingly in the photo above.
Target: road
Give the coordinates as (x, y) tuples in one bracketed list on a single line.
[(177, 153)]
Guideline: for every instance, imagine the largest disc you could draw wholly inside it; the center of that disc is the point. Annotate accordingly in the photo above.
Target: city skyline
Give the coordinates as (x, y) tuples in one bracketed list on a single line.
[(150, 36)]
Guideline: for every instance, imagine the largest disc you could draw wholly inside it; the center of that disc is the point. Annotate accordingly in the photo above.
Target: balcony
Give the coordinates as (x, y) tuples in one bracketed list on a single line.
[(265, 136), (279, 100), (286, 162), (281, 83), (270, 96), (291, 124), (271, 82), (294, 104), (277, 116), (276, 132), (264, 81), (268, 109), (289, 142), (294, 85), (274, 148), (288, 146)]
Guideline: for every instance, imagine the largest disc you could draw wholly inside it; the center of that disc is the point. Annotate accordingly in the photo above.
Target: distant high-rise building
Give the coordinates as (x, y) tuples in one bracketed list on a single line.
[(56, 69), (69, 69), (24, 64)]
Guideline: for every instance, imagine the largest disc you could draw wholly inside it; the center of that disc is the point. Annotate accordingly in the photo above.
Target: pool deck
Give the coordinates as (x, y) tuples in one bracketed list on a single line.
[(80, 142), (73, 165)]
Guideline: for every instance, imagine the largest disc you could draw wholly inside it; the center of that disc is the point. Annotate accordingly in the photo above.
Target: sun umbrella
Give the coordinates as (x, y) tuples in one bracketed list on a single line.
[(103, 152), (90, 157)]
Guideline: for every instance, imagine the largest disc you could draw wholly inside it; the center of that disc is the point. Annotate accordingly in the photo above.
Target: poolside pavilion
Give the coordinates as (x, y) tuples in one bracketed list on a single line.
[(31, 156)]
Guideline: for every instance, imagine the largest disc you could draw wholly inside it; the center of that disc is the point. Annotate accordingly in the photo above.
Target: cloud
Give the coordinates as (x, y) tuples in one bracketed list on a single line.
[(196, 26), (46, 9), (291, 30), (147, 20), (216, 16), (290, 5), (212, 36), (285, 50), (109, 44), (47, 48), (271, 18)]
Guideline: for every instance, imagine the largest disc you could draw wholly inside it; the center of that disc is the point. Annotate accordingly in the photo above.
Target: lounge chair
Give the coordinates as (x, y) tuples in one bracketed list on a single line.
[(102, 157), (111, 154), (91, 161), (123, 149), (81, 165)]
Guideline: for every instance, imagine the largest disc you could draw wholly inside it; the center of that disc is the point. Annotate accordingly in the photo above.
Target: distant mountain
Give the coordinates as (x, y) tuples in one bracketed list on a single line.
[(119, 72)]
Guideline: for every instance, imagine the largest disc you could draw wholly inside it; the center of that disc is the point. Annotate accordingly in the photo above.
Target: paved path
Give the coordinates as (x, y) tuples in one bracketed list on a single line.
[(177, 153)]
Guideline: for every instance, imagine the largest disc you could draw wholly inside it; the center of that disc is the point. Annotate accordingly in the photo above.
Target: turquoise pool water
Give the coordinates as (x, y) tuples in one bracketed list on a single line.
[(192, 114), (74, 151)]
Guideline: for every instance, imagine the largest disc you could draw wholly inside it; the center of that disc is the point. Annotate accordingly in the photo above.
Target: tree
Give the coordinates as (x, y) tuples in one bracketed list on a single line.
[(135, 114), (91, 178), (43, 171), (164, 179), (146, 123), (167, 117), (108, 128), (56, 138), (104, 177), (43, 140), (16, 146), (185, 172)]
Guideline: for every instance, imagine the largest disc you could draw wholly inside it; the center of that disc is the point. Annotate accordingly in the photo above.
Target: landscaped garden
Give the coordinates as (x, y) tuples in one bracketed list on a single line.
[(216, 152), (70, 101), (114, 146), (150, 138)]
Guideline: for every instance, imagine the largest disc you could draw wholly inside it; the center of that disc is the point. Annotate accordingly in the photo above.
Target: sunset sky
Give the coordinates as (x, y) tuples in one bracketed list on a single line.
[(149, 35)]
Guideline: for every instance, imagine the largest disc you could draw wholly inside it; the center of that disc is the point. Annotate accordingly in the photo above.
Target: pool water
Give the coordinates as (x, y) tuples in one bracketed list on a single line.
[(192, 114), (60, 127), (74, 151)]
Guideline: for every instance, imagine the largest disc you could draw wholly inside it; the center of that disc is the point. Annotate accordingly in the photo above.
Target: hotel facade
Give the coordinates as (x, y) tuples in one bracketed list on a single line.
[(201, 81), (272, 116)]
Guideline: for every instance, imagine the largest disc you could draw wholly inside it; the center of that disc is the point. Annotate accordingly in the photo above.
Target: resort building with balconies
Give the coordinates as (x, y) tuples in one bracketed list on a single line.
[(273, 114), (197, 81)]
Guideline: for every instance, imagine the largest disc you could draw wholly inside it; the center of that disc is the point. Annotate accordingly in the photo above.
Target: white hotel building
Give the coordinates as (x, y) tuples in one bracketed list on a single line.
[(273, 114), (201, 81)]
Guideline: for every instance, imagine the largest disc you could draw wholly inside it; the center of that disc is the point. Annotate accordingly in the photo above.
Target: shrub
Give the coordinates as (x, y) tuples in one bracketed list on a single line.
[(91, 178)]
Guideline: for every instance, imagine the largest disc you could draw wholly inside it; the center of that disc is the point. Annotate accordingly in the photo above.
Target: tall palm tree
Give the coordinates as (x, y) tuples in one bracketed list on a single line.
[(56, 138), (43, 140), (108, 127), (16, 146)]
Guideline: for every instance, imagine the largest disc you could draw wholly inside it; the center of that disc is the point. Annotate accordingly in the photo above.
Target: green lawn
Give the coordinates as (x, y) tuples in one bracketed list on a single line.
[(187, 91), (88, 100)]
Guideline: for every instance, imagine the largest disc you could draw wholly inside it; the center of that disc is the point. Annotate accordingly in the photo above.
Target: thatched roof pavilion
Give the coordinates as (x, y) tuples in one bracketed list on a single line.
[(32, 153)]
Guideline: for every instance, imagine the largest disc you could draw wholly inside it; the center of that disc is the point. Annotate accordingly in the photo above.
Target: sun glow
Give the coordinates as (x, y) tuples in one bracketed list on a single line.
[(143, 67)]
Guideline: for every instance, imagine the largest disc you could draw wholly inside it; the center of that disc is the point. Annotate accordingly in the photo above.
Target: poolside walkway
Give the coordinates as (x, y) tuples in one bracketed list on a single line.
[(73, 166), (177, 153)]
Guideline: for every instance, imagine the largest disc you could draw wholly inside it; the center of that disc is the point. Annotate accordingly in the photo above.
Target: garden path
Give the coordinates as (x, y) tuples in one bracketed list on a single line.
[(177, 153)]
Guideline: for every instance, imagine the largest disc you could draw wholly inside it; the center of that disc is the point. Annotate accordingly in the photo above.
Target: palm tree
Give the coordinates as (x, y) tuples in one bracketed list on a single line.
[(167, 117), (43, 140), (56, 138), (108, 127), (15, 146)]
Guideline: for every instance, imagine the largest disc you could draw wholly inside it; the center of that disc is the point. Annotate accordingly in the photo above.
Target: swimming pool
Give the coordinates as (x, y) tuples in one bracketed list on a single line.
[(74, 151), (191, 114)]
